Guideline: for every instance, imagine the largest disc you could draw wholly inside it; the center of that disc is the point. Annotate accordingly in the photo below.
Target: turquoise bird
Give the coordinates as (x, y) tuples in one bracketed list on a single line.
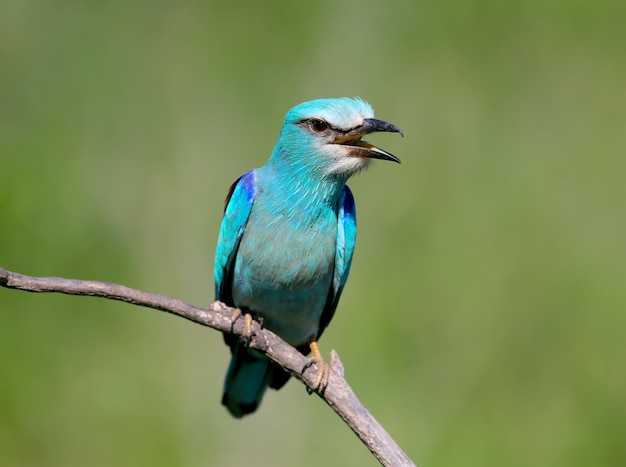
[(287, 237)]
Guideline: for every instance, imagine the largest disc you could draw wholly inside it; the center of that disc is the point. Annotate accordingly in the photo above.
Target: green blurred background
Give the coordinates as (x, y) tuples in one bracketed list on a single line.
[(484, 320)]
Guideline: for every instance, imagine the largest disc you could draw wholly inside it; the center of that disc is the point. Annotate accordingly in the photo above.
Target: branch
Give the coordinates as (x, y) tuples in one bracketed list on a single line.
[(338, 394)]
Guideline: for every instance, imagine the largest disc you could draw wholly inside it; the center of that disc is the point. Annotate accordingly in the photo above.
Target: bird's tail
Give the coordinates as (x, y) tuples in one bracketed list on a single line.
[(247, 378)]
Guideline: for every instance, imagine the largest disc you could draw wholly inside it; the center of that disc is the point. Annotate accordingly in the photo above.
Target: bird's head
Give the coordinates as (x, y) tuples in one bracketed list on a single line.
[(324, 137)]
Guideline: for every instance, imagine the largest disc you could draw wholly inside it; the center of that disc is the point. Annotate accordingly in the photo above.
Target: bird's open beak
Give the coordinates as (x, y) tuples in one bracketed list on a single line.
[(359, 148)]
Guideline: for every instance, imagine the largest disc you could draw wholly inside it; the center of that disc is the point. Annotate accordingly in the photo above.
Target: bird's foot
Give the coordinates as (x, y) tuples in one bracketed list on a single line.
[(323, 369), (248, 332)]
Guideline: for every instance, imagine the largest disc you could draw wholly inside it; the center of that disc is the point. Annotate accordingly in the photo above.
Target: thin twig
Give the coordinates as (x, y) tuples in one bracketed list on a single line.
[(338, 394)]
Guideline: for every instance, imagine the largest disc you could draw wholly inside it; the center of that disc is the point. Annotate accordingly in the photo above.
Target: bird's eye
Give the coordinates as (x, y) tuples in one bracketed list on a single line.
[(318, 125)]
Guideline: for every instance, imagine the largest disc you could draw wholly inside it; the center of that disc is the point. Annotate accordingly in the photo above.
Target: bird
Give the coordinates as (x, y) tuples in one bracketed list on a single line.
[(287, 237)]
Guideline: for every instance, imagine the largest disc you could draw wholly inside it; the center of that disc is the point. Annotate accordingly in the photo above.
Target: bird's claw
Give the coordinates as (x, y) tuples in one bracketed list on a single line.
[(321, 379), (248, 331), (323, 369)]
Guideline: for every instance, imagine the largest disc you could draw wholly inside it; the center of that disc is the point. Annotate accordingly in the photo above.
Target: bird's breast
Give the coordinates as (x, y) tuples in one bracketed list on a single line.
[(284, 269)]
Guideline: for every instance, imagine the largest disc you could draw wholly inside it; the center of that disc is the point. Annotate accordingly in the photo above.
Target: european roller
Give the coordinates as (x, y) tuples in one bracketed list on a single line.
[(287, 237)]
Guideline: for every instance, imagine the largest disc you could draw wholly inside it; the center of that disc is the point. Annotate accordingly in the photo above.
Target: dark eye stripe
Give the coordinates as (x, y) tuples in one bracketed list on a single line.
[(309, 122), (318, 125)]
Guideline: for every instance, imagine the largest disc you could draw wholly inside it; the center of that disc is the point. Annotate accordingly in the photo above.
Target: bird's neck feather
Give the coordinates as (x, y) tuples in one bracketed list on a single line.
[(300, 186)]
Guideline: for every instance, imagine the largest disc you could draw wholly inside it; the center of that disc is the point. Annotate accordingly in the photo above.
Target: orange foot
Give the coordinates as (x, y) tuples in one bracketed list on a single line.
[(323, 369), (247, 335)]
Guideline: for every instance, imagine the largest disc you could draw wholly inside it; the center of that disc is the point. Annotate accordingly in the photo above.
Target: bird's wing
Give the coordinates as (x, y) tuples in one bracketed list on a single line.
[(236, 212), (346, 239)]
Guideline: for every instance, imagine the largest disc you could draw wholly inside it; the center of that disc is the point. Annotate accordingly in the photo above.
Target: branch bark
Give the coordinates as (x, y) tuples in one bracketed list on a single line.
[(338, 394)]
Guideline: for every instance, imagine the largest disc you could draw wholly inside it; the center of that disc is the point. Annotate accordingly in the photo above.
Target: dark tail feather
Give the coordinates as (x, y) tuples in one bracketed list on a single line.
[(247, 379), (279, 377)]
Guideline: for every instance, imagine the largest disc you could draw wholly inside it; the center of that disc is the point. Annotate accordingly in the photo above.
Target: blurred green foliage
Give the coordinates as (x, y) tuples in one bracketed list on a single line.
[(485, 317)]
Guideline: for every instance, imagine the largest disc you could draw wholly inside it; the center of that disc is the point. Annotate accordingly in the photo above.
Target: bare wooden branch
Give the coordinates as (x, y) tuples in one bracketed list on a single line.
[(338, 394)]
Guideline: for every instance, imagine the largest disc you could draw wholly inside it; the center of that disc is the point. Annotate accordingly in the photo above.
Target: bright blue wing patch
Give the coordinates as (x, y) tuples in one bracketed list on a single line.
[(238, 206), (346, 239)]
